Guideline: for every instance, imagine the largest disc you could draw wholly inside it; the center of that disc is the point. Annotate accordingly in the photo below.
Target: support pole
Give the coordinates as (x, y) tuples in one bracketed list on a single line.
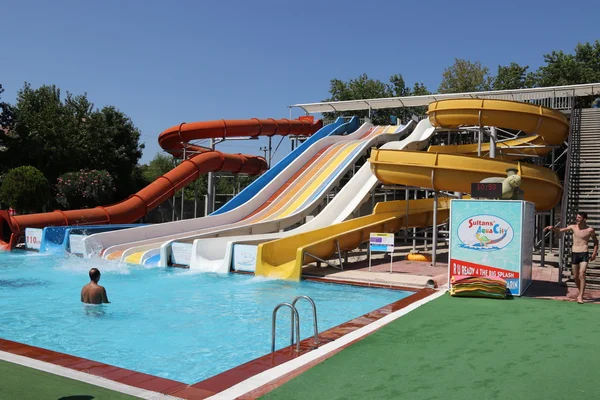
[(425, 231), (406, 197), (479, 139), (210, 200), (183, 189), (196, 199), (435, 232), (493, 138), (269, 160), (543, 244), (414, 244)]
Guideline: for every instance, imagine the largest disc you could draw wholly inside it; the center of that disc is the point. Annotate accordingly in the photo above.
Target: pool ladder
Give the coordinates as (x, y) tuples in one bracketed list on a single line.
[(295, 318)]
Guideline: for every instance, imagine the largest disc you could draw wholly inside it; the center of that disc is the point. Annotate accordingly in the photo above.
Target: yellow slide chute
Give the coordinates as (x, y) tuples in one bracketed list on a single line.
[(284, 258), (442, 168)]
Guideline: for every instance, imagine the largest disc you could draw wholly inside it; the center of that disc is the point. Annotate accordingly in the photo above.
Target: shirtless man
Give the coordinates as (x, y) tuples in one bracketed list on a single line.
[(579, 252), (92, 293)]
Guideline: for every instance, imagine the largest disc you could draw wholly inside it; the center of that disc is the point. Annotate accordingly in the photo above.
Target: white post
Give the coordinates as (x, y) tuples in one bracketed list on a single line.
[(493, 138)]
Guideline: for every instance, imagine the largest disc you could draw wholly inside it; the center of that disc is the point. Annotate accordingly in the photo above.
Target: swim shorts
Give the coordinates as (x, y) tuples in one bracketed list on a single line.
[(577, 258)]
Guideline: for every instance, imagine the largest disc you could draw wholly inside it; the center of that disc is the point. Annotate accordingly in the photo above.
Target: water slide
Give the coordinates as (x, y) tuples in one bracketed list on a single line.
[(114, 244), (173, 140), (284, 258), (216, 254), (310, 178)]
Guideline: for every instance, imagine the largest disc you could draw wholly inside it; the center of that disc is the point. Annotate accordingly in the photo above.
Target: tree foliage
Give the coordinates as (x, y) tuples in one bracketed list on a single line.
[(84, 189), (570, 69), (364, 87), (465, 76), (59, 136), (26, 189), (513, 76), (158, 166)]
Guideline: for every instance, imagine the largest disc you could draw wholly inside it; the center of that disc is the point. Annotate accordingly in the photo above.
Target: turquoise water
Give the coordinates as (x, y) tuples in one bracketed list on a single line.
[(174, 323)]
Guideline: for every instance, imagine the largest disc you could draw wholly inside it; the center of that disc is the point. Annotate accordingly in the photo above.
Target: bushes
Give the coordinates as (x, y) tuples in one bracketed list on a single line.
[(84, 189), (25, 189)]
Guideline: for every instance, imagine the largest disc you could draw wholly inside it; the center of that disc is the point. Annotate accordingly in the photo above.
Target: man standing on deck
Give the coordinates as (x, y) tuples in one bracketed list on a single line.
[(92, 293), (579, 252)]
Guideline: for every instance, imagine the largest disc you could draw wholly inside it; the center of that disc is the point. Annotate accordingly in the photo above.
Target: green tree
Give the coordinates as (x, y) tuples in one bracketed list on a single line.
[(571, 69), (364, 87), (465, 76), (158, 166), (26, 189), (58, 136), (513, 76)]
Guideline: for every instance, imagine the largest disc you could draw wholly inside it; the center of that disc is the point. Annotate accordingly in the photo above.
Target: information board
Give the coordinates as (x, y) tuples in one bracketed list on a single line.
[(381, 242)]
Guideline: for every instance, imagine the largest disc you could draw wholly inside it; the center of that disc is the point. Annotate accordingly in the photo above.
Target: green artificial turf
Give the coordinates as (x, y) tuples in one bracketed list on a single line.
[(467, 348), (24, 383)]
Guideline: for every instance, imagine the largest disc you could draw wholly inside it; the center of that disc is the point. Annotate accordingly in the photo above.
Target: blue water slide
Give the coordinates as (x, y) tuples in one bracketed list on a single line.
[(339, 127), (56, 238)]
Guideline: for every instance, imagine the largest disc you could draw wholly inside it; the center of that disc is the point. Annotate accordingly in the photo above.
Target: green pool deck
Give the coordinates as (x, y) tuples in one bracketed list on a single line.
[(466, 348), (24, 383)]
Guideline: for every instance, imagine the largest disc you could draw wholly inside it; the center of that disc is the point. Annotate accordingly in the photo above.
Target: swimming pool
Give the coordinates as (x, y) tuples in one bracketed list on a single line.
[(173, 323)]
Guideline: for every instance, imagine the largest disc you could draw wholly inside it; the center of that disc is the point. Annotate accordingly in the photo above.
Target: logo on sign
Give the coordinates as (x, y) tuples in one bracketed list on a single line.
[(245, 257), (485, 232)]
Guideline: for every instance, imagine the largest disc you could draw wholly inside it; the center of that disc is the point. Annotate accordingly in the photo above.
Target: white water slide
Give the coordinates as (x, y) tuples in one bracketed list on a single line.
[(215, 254), (140, 244)]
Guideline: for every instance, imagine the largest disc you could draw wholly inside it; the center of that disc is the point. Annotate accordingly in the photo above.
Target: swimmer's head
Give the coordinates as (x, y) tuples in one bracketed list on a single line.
[(95, 274)]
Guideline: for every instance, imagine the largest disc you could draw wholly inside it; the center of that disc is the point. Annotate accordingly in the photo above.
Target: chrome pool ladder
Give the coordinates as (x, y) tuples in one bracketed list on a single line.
[(295, 322)]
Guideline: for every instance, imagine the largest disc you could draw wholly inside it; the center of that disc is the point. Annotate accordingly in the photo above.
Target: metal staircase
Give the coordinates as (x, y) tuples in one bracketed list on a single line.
[(583, 191)]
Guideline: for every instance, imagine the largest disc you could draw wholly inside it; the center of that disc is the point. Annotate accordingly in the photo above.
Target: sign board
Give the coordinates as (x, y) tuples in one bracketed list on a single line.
[(181, 253), (33, 238), (486, 190), (381, 242), (488, 238), (244, 257), (76, 244)]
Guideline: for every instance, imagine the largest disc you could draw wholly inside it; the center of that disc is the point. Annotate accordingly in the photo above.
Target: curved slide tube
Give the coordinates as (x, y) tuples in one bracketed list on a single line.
[(440, 171), (550, 124), (216, 254), (173, 140), (505, 149), (155, 235), (451, 172)]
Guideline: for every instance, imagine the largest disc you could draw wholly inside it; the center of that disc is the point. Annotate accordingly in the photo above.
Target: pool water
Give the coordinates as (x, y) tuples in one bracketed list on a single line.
[(169, 322)]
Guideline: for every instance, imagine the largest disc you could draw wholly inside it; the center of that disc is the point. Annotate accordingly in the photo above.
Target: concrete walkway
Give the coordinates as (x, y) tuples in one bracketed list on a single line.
[(418, 274)]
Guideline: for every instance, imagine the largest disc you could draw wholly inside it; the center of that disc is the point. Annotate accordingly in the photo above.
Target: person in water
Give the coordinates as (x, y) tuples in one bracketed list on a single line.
[(92, 293), (582, 233)]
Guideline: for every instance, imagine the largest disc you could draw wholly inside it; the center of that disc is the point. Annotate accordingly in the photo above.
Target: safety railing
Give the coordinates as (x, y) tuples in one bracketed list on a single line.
[(295, 322)]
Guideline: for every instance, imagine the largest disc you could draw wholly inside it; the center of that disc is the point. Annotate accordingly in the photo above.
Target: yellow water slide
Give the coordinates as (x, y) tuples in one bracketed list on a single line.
[(284, 258), (444, 170)]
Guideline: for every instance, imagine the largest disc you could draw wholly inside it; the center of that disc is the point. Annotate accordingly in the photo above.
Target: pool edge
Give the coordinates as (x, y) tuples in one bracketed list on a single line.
[(231, 377)]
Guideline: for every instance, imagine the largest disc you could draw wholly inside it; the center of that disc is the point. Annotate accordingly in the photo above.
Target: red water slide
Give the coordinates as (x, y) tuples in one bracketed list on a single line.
[(173, 140)]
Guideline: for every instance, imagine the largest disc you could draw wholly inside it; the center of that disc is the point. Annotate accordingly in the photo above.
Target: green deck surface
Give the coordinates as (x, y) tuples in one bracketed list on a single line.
[(465, 348), (23, 383)]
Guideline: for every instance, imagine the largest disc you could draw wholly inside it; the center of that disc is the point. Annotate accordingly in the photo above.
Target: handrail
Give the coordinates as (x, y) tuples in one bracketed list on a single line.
[(314, 309), (575, 112), (294, 317)]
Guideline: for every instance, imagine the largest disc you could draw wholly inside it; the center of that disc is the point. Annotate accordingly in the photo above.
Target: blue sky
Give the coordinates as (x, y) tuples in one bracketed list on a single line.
[(163, 63)]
